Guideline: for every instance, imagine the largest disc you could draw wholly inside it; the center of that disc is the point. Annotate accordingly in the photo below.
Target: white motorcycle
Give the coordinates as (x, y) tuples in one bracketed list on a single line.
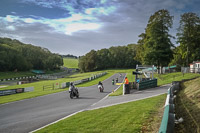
[(100, 87)]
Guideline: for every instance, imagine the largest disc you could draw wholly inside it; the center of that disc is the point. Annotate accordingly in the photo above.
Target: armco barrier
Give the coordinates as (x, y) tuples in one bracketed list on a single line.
[(168, 120)]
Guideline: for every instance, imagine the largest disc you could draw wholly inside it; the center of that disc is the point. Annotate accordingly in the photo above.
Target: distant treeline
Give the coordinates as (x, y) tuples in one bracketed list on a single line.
[(114, 57), (69, 56), (15, 55)]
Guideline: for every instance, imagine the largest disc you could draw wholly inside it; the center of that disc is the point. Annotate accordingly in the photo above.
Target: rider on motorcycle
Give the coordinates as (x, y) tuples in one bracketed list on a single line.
[(72, 87), (73, 91), (100, 84)]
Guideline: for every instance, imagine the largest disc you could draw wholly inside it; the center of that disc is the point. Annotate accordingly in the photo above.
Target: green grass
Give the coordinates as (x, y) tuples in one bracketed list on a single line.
[(188, 106), (128, 117), (38, 86), (177, 76), (70, 62)]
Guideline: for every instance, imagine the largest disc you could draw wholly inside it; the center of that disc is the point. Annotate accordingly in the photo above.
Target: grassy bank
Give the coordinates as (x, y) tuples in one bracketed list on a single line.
[(188, 107), (129, 117), (70, 62), (177, 76)]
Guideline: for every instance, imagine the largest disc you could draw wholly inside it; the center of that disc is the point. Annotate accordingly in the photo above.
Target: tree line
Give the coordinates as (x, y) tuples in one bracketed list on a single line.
[(69, 56), (114, 57), (154, 46), (15, 55)]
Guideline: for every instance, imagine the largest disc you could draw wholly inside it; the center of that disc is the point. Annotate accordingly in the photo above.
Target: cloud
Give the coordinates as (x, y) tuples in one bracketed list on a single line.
[(90, 24), (74, 27), (12, 28), (9, 18)]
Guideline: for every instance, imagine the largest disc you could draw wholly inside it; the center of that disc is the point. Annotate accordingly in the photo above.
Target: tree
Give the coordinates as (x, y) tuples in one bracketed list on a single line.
[(140, 48), (157, 44), (189, 38), (16, 55), (114, 57), (103, 60)]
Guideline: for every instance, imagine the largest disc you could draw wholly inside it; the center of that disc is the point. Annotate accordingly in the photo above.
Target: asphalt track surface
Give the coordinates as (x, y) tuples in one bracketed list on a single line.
[(30, 114)]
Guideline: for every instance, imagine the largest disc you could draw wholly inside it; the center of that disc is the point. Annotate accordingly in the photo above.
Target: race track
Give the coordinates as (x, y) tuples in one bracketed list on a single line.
[(30, 114)]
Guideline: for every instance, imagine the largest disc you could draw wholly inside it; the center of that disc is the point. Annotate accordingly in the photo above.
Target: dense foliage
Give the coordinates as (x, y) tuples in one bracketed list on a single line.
[(69, 56), (114, 57), (155, 45), (189, 40), (15, 55)]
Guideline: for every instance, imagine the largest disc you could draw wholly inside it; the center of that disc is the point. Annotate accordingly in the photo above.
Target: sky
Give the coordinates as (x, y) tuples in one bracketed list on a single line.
[(78, 26)]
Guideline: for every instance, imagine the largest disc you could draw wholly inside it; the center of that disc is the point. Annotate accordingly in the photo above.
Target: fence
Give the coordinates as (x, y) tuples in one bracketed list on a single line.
[(168, 120), (52, 86)]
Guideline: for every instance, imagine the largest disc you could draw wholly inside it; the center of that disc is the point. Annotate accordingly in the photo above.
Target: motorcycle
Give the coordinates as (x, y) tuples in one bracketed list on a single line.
[(100, 87), (74, 93)]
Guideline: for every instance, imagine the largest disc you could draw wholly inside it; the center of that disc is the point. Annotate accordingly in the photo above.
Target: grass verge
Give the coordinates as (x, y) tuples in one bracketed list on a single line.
[(188, 107), (128, 117)]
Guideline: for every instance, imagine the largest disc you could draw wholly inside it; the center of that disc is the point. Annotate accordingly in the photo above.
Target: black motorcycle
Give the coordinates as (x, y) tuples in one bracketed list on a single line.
[(74, 93)]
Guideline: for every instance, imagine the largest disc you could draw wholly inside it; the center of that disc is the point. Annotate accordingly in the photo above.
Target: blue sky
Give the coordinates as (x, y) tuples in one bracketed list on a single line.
[(78, 26)]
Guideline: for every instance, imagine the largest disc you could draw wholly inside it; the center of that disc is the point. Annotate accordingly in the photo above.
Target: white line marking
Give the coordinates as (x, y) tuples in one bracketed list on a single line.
[(108, 94), (57, 121)]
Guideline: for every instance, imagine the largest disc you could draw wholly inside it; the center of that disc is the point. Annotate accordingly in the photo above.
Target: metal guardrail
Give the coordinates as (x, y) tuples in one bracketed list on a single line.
[(168, 120)]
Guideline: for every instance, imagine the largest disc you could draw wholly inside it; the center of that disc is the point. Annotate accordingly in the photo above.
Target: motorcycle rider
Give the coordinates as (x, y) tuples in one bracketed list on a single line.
[(72, 88), (100, 84)]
